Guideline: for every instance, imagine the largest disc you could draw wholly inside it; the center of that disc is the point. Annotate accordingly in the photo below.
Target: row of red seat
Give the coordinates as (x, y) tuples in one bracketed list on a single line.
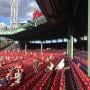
[(59, 80), (41, 80), (31, 82), (80, 77), (43, 85), (80, 86), (62, 80), (56, 81)]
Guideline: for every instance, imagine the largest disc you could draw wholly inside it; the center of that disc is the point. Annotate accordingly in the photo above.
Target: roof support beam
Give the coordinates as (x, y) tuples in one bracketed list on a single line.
[(41, 46), (76, 7), (52, 6)]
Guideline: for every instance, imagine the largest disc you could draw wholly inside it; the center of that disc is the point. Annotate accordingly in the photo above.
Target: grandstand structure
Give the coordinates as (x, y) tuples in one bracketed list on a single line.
[(66, 20)]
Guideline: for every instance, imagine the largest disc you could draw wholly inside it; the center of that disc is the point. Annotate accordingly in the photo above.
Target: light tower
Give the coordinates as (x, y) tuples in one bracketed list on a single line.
[(14, 13)]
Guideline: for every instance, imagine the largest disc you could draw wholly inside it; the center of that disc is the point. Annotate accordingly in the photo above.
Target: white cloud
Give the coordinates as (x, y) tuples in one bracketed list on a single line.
[(2, 24), (33, 5), (23, 21), (29, 14)]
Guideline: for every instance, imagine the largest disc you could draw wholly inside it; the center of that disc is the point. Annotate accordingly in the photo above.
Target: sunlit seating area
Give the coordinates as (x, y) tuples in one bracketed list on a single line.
[(71, 76)]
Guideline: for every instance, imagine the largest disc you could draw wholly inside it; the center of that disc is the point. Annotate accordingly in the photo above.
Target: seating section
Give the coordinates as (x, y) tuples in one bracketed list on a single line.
[(56, 81), (70, 77), (81, 79), (80, 58)]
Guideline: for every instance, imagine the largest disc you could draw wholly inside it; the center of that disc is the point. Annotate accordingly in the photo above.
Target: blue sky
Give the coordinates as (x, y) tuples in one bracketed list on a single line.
[(4, 20), (26, 7)]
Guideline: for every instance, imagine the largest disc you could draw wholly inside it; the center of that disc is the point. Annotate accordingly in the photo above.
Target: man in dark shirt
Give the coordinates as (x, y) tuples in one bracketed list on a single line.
[(3, 81)]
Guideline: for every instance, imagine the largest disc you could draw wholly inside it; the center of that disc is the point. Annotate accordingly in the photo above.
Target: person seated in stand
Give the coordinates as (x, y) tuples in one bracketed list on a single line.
[(8, 77), (51, 57), (14, 70), (3, 81), (18, 76), (50, 66), (20, 67), (47, 59)]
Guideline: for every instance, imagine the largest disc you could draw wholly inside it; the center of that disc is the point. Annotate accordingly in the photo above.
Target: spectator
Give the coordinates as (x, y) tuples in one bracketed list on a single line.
[(36, 65), (19, 66), (50, 66), (14, 70), (3, 81), (47, 59), (18, 76), (51, 57), (8, 77)]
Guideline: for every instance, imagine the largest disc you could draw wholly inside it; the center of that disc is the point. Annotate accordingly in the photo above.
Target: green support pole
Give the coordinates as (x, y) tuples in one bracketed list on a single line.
[(88, 38), (71, 46)]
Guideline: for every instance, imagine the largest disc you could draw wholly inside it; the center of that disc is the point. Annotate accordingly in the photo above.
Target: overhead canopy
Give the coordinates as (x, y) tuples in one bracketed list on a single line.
[(70, 12)]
